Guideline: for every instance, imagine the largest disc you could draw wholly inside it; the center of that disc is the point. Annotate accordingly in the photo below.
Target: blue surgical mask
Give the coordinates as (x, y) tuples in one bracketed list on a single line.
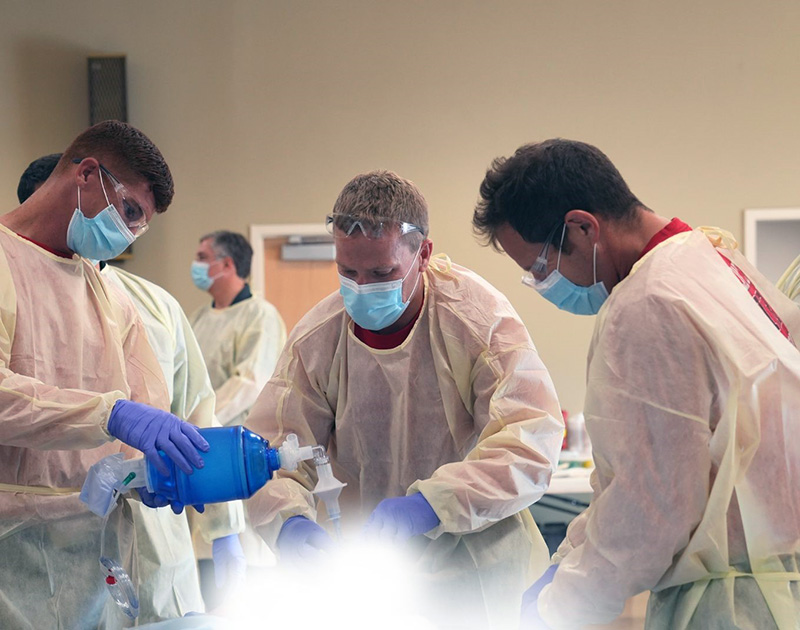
[(377, 305), (200, 275), (569, 296), (103, 237)]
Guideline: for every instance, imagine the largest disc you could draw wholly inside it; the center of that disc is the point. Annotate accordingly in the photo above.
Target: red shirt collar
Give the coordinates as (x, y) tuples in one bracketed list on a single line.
[(386, 342), (676, 226), (46, 248)]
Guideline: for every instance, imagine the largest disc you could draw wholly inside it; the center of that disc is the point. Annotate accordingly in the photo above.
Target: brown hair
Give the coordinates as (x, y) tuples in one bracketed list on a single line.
[(384, 194), (123, 146)]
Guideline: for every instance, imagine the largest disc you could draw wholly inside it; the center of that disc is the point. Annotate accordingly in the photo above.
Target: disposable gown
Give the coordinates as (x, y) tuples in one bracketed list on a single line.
[(68, 351), (168, 583), (462, 411), (693, 409), (241, 345)]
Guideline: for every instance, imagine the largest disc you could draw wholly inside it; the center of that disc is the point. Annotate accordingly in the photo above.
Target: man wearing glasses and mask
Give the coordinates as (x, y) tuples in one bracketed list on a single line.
[(425, 387), (76, 371), (692, 401)]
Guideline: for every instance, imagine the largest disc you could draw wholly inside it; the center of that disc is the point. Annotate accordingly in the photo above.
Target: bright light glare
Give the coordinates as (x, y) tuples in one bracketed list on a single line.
[(359, 586)]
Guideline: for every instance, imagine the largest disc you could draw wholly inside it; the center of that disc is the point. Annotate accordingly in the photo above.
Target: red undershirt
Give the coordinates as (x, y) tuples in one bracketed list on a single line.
[(676, 226), (386, 342), (45, 247)]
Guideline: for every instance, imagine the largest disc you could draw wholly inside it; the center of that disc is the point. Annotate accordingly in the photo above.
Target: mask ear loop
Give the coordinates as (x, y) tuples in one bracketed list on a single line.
[(108, 203), (100, 172), (561, 245), (409, 271), (594, 262)]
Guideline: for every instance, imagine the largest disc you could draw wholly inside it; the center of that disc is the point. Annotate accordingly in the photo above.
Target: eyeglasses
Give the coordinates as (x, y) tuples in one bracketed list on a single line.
[(538, 270), (372, 227), (131, 212)]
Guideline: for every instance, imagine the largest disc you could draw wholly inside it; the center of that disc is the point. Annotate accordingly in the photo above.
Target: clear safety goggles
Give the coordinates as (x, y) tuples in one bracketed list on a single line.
[(538, 271), (373, 227), (129, 209)]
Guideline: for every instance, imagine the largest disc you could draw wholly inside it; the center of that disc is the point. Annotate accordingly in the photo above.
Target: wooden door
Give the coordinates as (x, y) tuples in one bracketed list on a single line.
[(295, 286)]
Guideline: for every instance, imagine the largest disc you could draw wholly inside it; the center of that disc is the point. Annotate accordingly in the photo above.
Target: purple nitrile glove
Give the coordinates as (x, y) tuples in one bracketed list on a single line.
[(150, 430), (301, 539), (230, 565), (152, 500), (400, 518), (529, 618)]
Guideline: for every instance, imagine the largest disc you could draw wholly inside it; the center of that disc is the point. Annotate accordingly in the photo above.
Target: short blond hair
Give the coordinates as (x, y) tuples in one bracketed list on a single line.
[(385, 195)]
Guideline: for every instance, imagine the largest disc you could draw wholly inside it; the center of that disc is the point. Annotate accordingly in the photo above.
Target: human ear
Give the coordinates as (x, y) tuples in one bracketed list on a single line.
[(584, 224), (86, 168), (425, 253)]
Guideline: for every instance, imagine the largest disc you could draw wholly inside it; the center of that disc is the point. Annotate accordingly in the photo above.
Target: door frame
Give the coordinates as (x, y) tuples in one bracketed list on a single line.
[(261, 232)]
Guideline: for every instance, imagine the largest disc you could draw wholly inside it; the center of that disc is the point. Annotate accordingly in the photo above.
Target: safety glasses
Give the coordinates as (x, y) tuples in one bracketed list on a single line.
[(130, 211), (372, 227), (538, 271)]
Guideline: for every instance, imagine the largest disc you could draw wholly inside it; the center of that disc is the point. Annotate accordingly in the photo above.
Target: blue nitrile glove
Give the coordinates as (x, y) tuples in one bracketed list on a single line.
[(230, 566), (529, 618), (150, 430), (156, 501), (301, 539), (400, 518)]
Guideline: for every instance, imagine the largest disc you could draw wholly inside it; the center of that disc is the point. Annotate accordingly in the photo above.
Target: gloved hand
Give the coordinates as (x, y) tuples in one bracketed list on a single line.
[(230, 566), (400, 518), (150, 430), (301, 539), (530, 619), (156, 501)]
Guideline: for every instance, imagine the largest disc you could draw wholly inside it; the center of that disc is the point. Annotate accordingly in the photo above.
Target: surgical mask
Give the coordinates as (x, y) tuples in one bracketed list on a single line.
[(200, 275), (102, 237), (567, 295), (377, 305)]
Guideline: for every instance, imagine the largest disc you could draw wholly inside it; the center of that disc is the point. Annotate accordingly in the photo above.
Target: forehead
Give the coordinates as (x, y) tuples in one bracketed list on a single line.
[(204, 247), (519, 250), (357, 251)]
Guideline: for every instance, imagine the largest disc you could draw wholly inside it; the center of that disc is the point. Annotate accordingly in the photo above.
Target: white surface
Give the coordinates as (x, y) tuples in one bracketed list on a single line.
[(772, 239), (571, 481)]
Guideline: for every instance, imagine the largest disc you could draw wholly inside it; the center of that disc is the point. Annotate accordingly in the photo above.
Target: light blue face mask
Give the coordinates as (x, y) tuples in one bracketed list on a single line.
[(377, 305), (102, 237), (567, 295), (200, 275)]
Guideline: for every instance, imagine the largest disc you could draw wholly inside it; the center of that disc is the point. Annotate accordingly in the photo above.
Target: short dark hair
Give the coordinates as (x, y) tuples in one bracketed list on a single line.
[(36, 174), (533, 190), (124, 149), (235, 246)]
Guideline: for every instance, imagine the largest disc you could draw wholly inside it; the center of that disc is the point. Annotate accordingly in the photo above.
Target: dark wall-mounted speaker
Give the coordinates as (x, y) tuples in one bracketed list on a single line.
[(108, 95)]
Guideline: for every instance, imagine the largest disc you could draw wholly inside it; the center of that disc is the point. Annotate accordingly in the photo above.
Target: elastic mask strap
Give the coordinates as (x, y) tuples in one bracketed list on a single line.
[(408, 272), (561, 245), (108, 203), (100, 171), (594, 263)]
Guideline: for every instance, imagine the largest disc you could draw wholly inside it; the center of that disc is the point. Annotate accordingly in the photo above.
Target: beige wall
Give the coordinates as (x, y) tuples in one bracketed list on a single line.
[(265, 109)]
